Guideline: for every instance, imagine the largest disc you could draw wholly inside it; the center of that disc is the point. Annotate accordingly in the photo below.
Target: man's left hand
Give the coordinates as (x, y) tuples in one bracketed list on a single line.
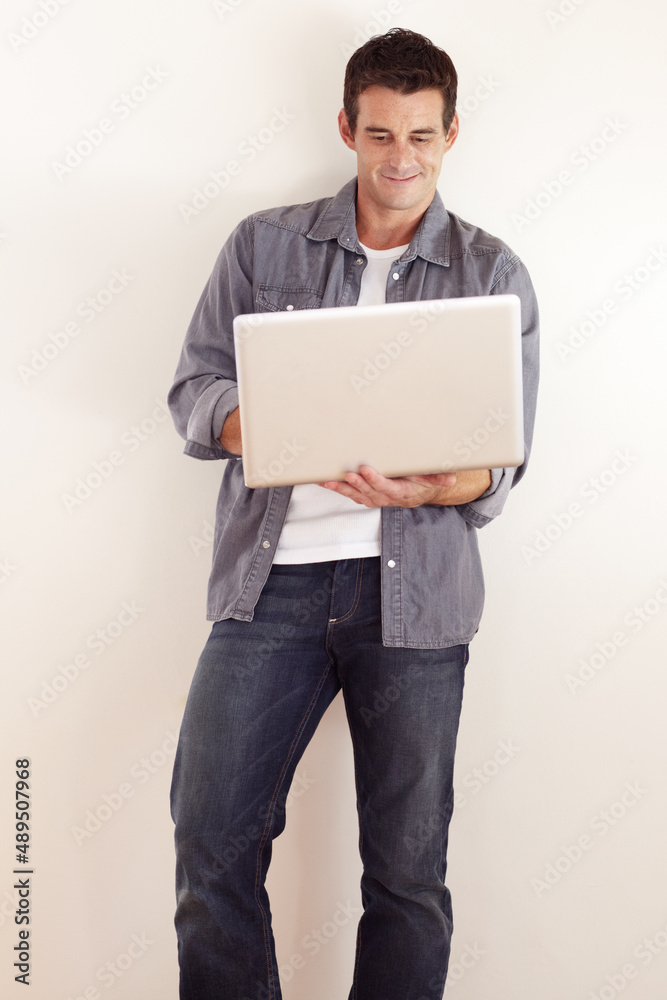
[(369, 488), (444, 489)]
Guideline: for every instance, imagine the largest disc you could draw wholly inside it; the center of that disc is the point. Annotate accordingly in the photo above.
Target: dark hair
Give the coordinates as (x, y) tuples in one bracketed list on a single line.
[(402, 60)]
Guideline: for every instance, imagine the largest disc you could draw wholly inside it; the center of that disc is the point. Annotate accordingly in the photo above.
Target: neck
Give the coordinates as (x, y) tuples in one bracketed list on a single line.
[(381, 233), (381, 228)]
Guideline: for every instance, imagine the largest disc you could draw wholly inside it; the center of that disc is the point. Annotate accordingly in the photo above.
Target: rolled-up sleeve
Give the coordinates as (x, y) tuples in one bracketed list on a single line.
[(513, 278), (205, 390)]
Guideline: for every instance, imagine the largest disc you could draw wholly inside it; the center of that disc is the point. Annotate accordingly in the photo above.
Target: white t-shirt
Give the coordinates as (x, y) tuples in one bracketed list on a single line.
[(320, 524)]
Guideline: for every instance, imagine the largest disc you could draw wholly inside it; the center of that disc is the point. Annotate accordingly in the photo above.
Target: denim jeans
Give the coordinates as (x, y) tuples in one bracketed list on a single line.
[(258, 694)]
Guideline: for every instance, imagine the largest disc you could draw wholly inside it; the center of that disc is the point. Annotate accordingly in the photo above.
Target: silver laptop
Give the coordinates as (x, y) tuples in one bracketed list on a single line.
[(408, 388)]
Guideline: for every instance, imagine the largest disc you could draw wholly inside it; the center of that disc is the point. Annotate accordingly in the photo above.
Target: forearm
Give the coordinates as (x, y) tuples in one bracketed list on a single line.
[(230, 439), (468, 486)]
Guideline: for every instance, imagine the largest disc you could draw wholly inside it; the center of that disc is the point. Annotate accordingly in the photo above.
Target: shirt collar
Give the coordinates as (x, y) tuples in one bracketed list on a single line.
[(338, 222)]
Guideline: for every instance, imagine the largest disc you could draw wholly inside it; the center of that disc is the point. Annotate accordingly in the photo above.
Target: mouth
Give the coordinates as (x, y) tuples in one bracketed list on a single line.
[(400, 180)]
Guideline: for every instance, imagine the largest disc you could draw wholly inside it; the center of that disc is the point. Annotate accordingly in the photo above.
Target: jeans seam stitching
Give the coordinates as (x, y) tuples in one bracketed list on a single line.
[(348, 614)]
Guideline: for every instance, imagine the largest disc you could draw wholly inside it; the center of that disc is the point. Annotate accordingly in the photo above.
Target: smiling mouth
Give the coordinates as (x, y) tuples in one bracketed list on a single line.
[(400, 180)]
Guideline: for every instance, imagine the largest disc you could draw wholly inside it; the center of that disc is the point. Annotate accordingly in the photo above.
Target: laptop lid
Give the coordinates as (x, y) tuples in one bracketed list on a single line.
[(408, 388)]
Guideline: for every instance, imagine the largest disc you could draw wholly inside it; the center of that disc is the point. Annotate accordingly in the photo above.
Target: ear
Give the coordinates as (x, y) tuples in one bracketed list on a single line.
[(345, 131), (452, 133)]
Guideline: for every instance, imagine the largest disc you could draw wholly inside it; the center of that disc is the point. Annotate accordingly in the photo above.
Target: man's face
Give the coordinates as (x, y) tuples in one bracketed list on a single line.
[(400, 142)]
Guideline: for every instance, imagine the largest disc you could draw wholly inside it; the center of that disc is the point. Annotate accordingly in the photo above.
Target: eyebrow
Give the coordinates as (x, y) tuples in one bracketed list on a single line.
[(414, 131)]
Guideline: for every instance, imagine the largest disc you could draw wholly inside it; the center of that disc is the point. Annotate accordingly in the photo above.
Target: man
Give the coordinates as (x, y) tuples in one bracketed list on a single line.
[(370, 585)]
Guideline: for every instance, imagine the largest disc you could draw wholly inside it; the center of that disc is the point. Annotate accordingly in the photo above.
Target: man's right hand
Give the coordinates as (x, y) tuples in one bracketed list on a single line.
[(230, 439)]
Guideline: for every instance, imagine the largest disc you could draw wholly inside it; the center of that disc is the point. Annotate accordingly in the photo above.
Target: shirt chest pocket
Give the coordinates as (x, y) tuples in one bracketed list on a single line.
[(274, 298)]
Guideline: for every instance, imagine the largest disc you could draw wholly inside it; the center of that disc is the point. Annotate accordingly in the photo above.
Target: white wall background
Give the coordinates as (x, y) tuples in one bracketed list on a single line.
[(557, 863)]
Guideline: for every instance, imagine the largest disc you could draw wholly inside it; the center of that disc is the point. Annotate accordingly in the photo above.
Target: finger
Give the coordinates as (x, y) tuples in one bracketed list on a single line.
[(359, 483), (374, 480), (344, 490)]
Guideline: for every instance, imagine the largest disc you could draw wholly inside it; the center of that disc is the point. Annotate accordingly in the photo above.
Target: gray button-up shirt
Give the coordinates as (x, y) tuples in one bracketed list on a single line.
[(309, 256)]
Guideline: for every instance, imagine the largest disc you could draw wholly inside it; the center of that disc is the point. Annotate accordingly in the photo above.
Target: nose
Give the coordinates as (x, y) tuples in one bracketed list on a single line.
[(401, 156)]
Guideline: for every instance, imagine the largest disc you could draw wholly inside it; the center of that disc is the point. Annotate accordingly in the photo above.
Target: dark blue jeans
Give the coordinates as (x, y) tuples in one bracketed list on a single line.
[(258, 694)]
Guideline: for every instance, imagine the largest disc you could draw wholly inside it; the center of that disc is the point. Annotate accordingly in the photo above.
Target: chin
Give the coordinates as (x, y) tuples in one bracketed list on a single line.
[(407, 199)]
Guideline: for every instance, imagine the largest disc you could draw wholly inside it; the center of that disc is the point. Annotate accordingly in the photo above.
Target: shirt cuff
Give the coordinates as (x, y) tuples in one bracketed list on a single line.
[(207, 420), (490, 503)]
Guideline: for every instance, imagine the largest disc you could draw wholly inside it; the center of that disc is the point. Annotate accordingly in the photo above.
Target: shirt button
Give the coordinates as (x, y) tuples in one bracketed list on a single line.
[(266, 545), (289, 308), (391, 564), (359, 260), (395, 275)]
